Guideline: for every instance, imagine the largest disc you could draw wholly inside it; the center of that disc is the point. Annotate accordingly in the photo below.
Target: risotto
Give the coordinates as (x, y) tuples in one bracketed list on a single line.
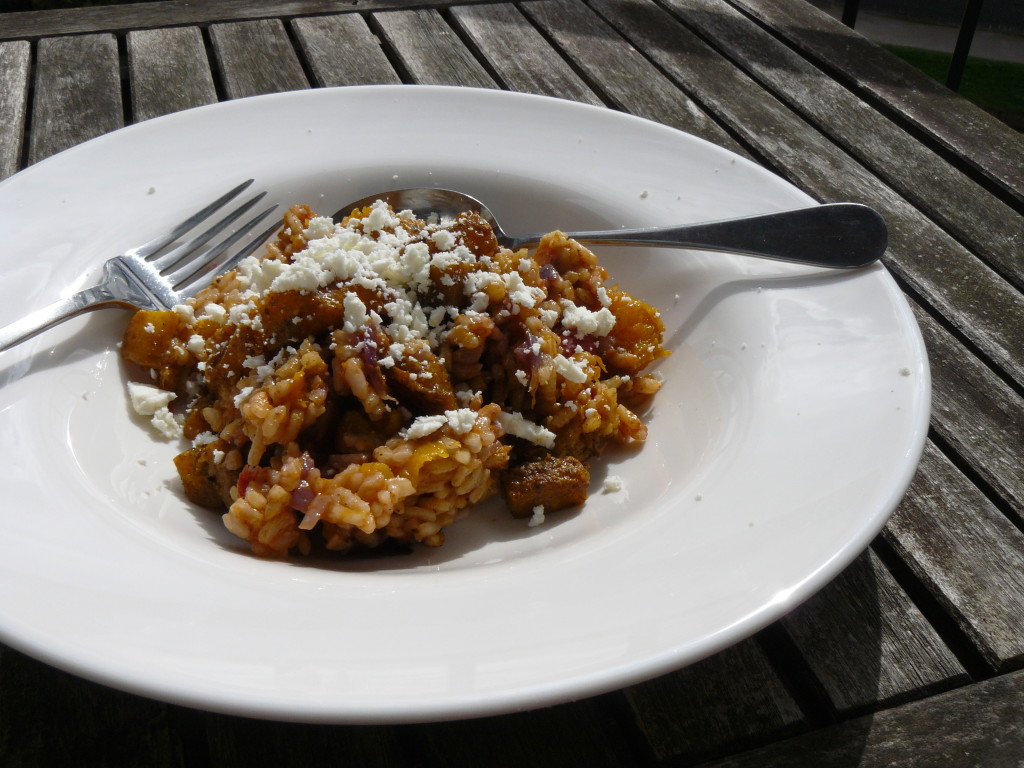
[(370, 381)]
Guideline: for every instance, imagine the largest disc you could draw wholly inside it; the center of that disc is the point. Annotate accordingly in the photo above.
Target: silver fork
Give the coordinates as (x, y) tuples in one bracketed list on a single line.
[(146, 277)]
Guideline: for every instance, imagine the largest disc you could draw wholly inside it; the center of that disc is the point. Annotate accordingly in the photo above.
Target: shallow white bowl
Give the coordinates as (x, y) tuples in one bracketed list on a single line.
[(793, 414)]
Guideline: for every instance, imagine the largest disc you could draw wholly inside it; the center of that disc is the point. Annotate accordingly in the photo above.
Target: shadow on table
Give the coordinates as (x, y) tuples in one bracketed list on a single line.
[(820, 664)]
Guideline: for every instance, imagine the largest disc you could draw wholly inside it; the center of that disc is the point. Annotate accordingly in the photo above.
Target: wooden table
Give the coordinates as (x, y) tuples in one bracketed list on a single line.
[(914, 655)]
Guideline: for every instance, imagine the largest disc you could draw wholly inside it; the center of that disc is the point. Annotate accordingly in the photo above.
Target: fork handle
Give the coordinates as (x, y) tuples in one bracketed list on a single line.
[(49, 316)]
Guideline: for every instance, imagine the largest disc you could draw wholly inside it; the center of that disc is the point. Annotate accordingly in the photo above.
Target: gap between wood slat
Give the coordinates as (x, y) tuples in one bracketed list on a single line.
[(300, 54), (472, 47), (796, 673), (954, 638)]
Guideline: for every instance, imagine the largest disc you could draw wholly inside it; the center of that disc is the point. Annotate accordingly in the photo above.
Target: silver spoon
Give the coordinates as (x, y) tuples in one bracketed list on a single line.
[(837, 235)]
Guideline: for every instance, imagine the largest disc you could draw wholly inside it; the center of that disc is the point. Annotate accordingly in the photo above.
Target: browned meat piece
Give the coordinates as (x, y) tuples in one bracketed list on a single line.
[(421, 383), (206, 481), (552, 482)]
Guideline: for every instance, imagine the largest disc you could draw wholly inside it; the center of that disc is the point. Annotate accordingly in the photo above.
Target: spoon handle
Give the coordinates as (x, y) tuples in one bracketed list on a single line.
[(837, 235)]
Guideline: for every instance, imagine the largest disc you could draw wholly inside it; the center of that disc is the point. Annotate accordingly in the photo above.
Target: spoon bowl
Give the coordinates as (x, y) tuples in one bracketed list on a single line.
[(834, 235)]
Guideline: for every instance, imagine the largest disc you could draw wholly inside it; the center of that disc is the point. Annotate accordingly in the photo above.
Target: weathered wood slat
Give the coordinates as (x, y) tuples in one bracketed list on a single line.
[(158, 58), (519, 54), (256, 57), (582, 733), (730, 701), (48, 717), (968, 132), (620, 71), (990, 228), (430, 51), (867, 643), (976, 414), (121, 18), (982, 306), (236, 742), (77, 93), (978, 725), (341, 50), (14, 65), (968, 555)]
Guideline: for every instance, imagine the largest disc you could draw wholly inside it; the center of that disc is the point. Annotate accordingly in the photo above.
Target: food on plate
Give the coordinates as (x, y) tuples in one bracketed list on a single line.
[(370, 381)]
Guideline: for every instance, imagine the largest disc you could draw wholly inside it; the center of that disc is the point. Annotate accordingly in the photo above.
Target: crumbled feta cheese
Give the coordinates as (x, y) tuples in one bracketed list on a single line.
[(549, 317), (461, 421), (242, 396), (443, 239), (424, 425), (166, 424), (538, 516), (203, 438), (196, 344), (355, 312), (612, 484), (146, 400), (586, 322), (514, 423), (216, 313), (569, 369)]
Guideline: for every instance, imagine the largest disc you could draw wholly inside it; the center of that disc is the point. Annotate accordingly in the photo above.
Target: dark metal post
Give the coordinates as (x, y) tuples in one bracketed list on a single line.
[(963, 43), (850, 12)]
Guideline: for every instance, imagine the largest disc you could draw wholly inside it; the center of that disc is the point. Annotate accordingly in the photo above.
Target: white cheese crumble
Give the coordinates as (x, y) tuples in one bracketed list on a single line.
[(538, 516), (152, 401), (514, 423), (612, 484), (586, 322), (355, 312), (459, 421), (146, 399), (569, 369), (166, 424)]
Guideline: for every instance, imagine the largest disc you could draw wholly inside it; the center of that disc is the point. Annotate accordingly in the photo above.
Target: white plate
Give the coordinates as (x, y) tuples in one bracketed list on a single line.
[(793, 414)]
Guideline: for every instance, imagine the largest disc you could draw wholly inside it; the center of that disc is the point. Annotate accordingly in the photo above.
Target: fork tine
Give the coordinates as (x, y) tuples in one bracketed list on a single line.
[(203, 270), (153, 246), (175, 258)]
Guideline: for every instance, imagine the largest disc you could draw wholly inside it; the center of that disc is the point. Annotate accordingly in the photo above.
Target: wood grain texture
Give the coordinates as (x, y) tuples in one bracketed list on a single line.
[(620, 72), (235, 742), (976, 413), (951, 122), (519, 54), (978, 726), (77, 93), (967, 554), (989, 227), (48, 717), (728, 702), (169, 71), (14, 66), (969, 294), (583, 733), (120, 18), (341, 50), (256, 57), (429, 51), (868, 644)]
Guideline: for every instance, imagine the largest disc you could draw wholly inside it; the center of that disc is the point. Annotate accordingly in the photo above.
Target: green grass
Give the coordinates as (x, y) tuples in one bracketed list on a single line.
[(995, 86)]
